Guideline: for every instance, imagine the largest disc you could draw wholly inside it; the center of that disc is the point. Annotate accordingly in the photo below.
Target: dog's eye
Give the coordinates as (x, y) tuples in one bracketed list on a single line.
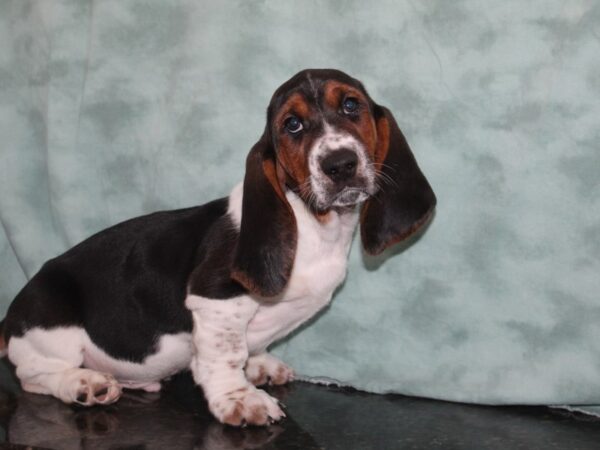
[(350, 105), (293, 125)]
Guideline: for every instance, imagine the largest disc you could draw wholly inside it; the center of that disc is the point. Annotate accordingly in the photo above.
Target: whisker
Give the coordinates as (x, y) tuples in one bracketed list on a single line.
[(382, 165), (307, 193), (377, 167), (379, 188), (387, 179)]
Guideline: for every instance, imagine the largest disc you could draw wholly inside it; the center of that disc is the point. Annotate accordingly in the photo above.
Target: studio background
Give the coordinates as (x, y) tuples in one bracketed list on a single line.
[(113, 109)]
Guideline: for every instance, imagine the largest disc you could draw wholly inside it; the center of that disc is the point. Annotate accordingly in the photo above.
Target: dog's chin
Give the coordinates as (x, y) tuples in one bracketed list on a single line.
[(343, 200), (349, 198)]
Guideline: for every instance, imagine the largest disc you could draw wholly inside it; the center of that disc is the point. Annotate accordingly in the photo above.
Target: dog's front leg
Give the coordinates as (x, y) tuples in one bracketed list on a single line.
[(220, 354)]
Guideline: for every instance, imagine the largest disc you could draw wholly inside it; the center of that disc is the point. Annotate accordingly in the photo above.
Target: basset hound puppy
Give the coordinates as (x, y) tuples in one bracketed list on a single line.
[(209, 288)]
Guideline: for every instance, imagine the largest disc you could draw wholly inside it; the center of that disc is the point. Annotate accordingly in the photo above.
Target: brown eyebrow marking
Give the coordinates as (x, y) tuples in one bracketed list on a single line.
[(334, 91), (366, 127), (295, 104)]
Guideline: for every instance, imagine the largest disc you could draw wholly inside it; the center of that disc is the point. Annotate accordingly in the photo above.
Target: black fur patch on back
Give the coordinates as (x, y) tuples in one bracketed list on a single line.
[(126, 285)]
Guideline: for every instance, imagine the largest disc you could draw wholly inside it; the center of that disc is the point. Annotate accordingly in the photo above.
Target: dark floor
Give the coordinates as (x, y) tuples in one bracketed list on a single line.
[(318, 418)]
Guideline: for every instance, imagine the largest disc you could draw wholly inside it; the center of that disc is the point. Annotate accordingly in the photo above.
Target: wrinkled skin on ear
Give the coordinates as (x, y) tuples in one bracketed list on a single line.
[(267, 243), (405, 201)]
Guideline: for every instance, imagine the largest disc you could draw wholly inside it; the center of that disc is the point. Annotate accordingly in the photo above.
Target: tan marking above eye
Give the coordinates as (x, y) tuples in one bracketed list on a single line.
[(295, 105), (336, 92)]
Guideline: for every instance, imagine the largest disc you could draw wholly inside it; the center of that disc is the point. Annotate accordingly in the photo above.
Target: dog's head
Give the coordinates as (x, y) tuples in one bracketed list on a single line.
[(331, 144)]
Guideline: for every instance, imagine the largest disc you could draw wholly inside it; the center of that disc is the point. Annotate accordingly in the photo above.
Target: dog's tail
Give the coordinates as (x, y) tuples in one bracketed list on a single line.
[(3, 346)]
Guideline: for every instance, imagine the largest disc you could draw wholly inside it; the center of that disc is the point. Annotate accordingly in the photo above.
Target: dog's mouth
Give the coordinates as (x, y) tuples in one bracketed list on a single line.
[(331, 196), (344, 199), (350, 196)]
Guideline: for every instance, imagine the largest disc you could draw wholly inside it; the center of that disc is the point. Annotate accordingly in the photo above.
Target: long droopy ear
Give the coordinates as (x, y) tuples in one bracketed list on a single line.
[(267, 243), (405, 201)]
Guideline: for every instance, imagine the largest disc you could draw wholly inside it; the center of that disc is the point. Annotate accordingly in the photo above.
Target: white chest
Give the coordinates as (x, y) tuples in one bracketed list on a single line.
[(319, 268), (321, 256)]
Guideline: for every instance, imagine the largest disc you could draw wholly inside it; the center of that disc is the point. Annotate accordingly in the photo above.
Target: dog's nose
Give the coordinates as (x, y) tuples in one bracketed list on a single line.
[(340, 165)]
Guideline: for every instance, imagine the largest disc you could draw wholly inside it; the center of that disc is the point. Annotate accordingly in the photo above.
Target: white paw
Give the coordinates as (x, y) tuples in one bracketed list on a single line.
[(152, 387), (246, 406), (264, 368), (88, 387)]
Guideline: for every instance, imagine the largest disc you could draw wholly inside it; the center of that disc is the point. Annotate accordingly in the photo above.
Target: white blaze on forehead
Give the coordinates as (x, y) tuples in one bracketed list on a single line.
[(333, 139)]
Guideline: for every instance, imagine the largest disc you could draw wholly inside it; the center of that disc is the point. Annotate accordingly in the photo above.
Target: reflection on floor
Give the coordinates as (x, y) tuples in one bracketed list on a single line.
[(318, 418)]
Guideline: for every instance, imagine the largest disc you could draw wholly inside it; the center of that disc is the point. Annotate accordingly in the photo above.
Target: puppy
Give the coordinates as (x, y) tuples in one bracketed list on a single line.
[(209, 288)]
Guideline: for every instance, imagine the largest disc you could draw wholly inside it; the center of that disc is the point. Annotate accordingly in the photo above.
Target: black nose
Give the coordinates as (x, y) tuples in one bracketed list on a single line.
[(340, 165)]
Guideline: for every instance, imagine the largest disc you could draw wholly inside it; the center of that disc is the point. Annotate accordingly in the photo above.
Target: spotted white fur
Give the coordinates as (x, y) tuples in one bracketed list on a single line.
[(330, 141), (220, 354)]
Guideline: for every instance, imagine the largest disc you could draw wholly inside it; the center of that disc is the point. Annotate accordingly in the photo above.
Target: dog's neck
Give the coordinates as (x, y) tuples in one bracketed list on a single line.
[(300, 208)]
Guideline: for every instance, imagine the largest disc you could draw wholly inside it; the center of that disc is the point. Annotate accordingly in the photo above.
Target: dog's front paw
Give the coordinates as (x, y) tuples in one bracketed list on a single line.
[(246, 406), (264, 368)]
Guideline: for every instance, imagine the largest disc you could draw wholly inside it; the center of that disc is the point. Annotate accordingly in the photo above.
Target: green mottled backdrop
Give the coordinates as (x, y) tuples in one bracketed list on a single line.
[(110, 109)]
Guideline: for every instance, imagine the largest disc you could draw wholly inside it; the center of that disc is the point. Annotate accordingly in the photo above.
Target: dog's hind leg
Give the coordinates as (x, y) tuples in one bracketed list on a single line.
[(48, 362)]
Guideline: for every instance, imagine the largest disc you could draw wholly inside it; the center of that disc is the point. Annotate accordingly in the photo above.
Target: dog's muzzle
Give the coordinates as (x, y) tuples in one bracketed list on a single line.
[(343, 178)]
